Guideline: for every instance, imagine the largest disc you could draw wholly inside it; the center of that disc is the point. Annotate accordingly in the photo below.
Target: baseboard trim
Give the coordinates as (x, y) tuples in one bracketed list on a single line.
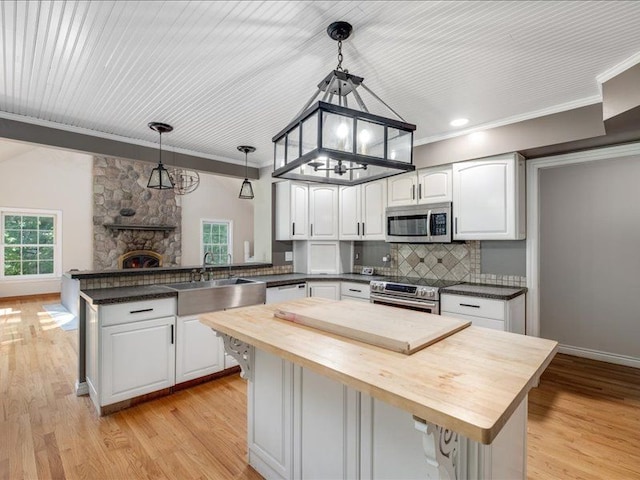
[(601, 356), (82, 388)]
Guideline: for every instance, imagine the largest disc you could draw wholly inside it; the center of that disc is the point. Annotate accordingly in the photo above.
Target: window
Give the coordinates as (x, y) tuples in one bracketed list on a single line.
[(216, 238), (30, 243)]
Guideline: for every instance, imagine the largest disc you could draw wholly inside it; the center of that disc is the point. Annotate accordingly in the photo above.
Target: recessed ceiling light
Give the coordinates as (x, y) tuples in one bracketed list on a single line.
[(459, 122)]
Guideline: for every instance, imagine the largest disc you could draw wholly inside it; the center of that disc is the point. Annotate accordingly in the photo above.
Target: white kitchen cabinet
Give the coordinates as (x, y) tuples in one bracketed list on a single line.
[(355, 291), (489, 199), (507, 315), (130, 349), (330, 290), (270, 415), (362, 211), (435, 185), (402, 189), (292, 211), (199, 351), (321, 256), (286, 293), (323, 212)]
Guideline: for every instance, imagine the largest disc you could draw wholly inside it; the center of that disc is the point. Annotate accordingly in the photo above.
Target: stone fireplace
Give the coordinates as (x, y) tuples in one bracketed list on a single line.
[(128, 217)]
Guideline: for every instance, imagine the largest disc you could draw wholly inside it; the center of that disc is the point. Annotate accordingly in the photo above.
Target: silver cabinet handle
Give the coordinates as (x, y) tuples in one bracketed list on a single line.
[(456, 224), (355, 290), (293, 228), (413, 192), (469, 305), (311, 232), (363, 229), (419, 191), (429, 223), (358, 228)]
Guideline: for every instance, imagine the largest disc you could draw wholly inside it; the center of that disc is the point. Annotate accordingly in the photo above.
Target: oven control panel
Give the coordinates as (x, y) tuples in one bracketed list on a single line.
[(404, 290)]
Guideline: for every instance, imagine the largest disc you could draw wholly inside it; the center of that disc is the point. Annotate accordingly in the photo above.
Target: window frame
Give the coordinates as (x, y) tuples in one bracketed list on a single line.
[(229, 224), (57, 244)]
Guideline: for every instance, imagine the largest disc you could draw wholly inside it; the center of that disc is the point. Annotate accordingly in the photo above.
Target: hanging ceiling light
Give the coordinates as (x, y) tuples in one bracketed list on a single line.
[(329, 142), (160, 178), (246, 191)]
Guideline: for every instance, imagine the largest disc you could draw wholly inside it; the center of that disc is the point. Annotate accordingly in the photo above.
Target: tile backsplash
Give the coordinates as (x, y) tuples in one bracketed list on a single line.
[(450, 261)]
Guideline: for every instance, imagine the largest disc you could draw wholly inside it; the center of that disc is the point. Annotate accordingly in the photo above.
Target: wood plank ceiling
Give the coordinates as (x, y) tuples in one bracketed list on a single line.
[(231, 73)]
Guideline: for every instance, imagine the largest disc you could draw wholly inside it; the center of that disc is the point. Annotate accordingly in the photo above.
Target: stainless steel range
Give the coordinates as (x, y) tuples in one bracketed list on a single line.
[(412, 293)]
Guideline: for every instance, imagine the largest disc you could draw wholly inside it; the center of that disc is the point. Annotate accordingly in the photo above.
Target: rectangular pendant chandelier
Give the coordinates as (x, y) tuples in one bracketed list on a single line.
[(330, 142)]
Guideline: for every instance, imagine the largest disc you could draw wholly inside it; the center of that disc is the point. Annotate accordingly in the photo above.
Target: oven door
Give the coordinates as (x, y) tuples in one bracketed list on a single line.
[(407, 303)]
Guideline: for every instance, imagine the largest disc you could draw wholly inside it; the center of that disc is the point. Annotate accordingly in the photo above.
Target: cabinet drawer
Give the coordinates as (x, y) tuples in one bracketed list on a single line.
[(474, 306), (134, 311), (477, 321), (353, 289)]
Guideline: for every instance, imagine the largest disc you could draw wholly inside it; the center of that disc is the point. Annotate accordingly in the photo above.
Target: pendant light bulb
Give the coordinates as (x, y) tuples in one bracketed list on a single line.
[(160, 178), (246, 190)]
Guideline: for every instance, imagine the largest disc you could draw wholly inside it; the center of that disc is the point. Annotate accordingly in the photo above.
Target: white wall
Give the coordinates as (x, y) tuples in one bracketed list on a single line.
[(216, 199), (262, 223), (44, 178)]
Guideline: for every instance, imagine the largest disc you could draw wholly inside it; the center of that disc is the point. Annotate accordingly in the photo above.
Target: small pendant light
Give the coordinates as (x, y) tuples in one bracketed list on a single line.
[(160, 178), (246, 191)]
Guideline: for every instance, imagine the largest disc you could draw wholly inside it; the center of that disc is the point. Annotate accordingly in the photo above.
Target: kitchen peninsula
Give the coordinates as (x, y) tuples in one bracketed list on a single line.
[(325, 406)]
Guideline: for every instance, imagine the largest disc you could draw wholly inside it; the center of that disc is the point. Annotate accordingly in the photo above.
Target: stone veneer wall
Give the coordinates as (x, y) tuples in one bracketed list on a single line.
[(450, 261), (178, 277), (119, 184)]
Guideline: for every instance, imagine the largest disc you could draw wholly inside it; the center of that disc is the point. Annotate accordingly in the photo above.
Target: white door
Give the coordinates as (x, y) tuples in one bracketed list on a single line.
[(374, 204), (330, 290), (402, 189), (434, 185), (484, 199), (137, 358), (323, 212), (299, 212), (199, 351), (350, 212)]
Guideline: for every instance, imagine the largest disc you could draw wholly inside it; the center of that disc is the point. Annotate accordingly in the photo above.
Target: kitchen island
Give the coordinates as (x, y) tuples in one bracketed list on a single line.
[(325, 406)]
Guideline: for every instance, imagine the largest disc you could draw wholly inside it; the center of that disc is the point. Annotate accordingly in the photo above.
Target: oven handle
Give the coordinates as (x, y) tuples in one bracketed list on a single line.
[(402, 301)]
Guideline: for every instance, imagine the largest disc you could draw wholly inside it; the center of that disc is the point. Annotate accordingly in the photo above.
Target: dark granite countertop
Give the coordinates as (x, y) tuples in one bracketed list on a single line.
[(293, 278), (78, 274), (107, 296), (485, 291)]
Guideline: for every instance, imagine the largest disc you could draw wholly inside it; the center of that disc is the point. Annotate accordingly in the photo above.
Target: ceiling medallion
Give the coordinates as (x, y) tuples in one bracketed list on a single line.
[(331, 142)]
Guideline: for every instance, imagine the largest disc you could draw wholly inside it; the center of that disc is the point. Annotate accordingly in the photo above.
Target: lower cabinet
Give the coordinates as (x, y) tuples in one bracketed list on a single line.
[(355, 291), (130, 350), (330, 290), (286, 293), (304, 425), (507, 315), (199, 351)]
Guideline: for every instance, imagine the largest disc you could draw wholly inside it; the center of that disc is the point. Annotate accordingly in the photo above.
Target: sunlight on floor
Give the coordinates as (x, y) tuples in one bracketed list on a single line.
[(9, 311)]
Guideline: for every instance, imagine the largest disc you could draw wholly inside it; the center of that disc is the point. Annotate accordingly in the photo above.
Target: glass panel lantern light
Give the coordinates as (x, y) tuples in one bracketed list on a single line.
[(330, 142)]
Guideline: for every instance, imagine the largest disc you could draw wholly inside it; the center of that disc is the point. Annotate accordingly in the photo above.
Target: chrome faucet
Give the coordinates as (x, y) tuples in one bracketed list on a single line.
[(203, 271)]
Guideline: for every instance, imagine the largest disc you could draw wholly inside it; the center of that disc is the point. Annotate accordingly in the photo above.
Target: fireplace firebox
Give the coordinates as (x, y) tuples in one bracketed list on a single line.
[(140, 259)]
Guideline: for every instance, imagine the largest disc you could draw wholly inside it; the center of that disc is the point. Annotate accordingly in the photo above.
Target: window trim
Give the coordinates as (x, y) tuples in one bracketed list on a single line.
[(57, 246), (229, 234)]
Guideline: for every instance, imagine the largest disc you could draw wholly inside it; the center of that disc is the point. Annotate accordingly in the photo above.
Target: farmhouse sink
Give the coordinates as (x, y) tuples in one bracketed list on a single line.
[(201, 297)]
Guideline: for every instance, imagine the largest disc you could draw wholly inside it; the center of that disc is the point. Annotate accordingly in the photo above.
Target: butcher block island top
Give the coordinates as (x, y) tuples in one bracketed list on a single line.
[(469, 382)]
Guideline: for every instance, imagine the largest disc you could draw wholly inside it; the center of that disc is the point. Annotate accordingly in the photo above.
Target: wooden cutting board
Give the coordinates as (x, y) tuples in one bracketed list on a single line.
[(397, 329)]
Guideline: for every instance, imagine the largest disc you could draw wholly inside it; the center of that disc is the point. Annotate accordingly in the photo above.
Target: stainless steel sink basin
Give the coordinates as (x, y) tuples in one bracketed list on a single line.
[(201, 297)]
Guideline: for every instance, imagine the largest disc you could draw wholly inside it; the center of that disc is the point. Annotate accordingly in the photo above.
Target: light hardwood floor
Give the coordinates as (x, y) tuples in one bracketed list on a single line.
[(584, 418)]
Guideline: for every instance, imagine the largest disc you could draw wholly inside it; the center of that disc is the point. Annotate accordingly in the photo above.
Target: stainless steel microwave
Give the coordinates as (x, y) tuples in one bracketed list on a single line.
[(419, 223)]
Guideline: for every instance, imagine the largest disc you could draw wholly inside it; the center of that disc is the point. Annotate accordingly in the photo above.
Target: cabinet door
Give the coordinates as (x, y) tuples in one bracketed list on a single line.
[(402, 189), (374, 203), (137, 358), (286, 293), (323, 212), (350, 212), (270, 415), (434, 185), (330, 290), (484, 199), (299, 212), (199, 351), (328, 443)]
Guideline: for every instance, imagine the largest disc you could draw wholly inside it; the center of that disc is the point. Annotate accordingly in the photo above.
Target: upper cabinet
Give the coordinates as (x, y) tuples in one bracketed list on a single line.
[(489, 199), (434, 185), (428, 185), (292, 211), (362, 209), (323, 212), (402, 189)]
